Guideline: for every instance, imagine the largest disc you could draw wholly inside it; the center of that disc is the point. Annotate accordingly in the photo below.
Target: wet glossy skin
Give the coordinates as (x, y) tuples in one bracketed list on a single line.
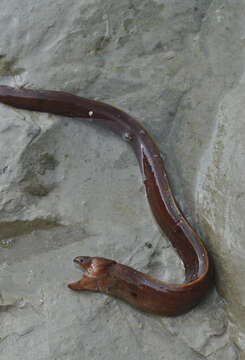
[(107, 276)]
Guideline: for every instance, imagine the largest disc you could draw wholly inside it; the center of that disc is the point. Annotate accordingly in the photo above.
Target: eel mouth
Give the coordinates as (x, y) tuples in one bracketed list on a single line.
[(84, 262), (95, 270)]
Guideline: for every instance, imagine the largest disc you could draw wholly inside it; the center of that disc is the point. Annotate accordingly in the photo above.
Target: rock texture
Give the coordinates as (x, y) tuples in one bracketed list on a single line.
[(67, 188), (221, 200)]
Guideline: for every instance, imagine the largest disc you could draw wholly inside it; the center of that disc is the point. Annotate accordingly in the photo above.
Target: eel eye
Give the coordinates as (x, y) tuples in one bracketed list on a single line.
[(81, 259)]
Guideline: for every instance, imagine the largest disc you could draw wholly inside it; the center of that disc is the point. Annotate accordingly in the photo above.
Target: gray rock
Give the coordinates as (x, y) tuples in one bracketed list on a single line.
[(67, 188), (221, 201)]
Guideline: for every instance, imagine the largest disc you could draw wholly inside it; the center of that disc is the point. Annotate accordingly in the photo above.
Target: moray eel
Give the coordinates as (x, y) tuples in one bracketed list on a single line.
[(107, 276)]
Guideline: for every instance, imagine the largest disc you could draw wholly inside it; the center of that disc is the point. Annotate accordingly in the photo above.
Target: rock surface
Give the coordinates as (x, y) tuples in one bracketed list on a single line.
[(67, 188)]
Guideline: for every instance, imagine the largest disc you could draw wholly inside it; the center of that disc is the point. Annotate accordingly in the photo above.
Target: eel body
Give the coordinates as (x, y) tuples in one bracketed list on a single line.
[(107, 276)]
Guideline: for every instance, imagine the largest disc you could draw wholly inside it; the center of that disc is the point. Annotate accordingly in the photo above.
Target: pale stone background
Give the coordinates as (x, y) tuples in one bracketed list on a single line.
[(69, 189)]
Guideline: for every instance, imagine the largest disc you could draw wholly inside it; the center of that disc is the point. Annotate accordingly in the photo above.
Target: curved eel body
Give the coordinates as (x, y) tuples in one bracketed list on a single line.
[(107, 276)]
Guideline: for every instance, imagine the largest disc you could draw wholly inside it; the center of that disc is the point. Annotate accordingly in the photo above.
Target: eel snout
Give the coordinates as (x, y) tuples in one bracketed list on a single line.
[(82, 261)]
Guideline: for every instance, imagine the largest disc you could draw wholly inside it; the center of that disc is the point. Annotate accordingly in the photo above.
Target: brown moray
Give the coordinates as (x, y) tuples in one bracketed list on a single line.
[(107, 276)]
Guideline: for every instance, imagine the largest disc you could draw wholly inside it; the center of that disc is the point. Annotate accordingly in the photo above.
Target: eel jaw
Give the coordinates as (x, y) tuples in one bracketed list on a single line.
[(74, 285)]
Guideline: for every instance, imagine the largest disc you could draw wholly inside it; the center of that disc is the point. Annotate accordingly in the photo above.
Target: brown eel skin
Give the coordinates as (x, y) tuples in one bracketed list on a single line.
[(107, 276)]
